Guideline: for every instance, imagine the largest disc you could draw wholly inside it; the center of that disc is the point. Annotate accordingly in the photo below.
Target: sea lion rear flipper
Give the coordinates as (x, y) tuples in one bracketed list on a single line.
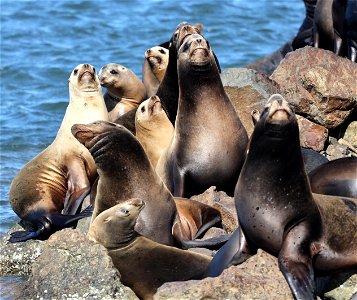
[(234, 252), (213, 243)]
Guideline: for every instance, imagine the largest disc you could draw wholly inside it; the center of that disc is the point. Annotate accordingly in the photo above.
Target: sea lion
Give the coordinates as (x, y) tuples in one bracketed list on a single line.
[(144, 265), (168, 90), (278, 213), (323, 31), (126, 172), (337, 177), (125, 91), (60, 176), (209, 143), (153, 128), (154, 67)]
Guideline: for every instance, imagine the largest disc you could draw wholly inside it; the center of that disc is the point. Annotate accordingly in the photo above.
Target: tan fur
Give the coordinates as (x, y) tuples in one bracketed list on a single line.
[(153, 128), (65, 168)]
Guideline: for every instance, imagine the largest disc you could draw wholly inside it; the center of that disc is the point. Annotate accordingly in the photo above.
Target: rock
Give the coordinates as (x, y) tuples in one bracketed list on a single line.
[(312, 135), (248, 90), (336, 150), (319, 85), (225, 204), (72, 267), (350, 135), (344, 291), (257, 278), (312, 159), (17, 258)]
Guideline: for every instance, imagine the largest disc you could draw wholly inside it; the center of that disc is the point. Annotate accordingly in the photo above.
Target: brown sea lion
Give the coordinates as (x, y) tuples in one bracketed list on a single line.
[(60, 176), (337, 177), (144, 265), (312, 235), (125, 91), (126, 172), (154, 68), (209, 143), (153, 128)]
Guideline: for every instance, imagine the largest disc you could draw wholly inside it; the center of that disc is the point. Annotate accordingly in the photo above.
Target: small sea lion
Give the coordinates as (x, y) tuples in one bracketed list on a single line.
[(312, 235), (126, 172), (125, 91), (60, 176), (154, 68), (153, 128), (144, 265), (337, 177), (209, 143)]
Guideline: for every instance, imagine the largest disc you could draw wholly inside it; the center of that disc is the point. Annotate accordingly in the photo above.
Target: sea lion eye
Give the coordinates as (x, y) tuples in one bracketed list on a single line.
[(185, 47), (75, 71), (124, 211), (93, 69), (208, 45), (162, 51), (113, 72), (143, 109)]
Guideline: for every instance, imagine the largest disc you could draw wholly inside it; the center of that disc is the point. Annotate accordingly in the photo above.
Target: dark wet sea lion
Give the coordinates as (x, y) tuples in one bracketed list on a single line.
[(168, 90), (126, 172), (209, 143), (323, 25), (337, 177), (144, 265), (125, 90), (312, 235), (154, 68), (153, 128), (60, 176)]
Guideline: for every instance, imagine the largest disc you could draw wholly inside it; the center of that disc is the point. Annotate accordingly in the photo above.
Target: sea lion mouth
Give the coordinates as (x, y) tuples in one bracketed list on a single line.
[(280, 114), (199, 57), (82, 133), (154, 60), (86, 73)]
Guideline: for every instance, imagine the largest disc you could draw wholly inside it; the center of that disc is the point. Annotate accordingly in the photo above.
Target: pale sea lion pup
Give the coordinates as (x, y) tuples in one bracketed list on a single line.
[(153, 128), (144, 265), (154, 68), (125, 91), (208, 148), (60, 176), (278, 213), (125, 172)]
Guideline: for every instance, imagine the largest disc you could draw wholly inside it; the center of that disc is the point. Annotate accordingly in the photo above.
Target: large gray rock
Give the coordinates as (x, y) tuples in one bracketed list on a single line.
[(319, 85), (72, 267), (18, 258)]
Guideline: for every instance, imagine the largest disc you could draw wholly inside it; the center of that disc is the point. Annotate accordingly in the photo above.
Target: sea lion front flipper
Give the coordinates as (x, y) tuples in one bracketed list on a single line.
[(295, 263), (78, 187), (49, 224), (213, 243), (234, 252), (192, 220)]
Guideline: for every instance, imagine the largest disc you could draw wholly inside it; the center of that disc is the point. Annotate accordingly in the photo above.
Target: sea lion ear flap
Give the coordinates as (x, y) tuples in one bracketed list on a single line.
[(199, 27), (255, 116)]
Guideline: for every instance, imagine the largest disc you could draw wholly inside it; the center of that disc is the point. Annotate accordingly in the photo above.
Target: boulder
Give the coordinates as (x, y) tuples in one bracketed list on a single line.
[(319, 85), (248, 90), (72, 267), (312, 135)]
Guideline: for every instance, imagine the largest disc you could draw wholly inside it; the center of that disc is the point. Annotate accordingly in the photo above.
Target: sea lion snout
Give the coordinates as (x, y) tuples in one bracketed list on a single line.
[(279, 109)]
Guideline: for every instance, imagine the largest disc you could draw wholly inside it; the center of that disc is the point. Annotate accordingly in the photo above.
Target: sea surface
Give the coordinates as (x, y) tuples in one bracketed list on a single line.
[(42, 41)]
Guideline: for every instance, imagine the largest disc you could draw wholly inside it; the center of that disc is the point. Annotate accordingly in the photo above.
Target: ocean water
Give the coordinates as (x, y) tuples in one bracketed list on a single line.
[(42, 41)]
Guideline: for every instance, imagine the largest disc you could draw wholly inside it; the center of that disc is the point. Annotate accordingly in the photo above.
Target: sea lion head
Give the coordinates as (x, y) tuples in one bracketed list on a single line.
[(277, 118), (84, 80), (112, 75), (148, 111), (183, 30), (196, 53), (114, 227), (110, 144), (158, 59)]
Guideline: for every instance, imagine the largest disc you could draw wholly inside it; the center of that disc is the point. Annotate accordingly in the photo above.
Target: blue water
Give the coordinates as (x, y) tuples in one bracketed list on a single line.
[(42, 41)]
